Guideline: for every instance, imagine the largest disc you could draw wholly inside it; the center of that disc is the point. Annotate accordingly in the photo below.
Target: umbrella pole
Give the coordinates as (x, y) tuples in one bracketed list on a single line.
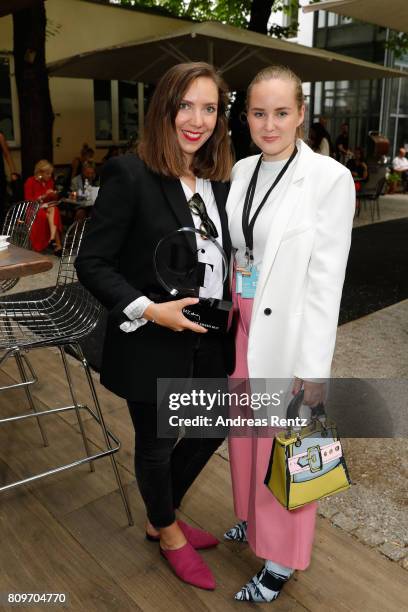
[(210, 45)]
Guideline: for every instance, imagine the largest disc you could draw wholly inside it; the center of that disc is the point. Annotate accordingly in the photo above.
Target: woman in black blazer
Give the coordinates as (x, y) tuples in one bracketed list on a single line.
[(184, 150)]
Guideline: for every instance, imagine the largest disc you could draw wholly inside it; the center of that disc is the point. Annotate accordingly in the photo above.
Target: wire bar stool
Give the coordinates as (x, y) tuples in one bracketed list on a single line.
[(17, 225), (60, 320)]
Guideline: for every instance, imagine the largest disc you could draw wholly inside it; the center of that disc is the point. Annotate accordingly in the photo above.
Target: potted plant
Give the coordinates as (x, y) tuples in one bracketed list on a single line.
[(393, 179)]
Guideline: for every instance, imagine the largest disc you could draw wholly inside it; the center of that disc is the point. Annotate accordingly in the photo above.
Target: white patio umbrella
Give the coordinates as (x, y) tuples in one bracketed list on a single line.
[(387, 13), (239, 54)]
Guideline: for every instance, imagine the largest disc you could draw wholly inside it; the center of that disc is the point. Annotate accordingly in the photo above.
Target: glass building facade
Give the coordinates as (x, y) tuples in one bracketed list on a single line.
[(379, 105)]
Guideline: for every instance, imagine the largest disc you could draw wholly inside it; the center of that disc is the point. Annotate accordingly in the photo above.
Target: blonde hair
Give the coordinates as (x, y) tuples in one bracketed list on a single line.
[(280, 72), (41, 166)]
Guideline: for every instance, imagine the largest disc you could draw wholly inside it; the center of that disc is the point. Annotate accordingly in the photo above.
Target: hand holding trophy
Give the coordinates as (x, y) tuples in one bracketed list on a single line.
[(170, 314), (189, 263)]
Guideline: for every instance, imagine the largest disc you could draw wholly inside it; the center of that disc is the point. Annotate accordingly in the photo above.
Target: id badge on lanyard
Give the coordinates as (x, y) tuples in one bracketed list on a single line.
[(247, 276), (247, 283), (246, 280)]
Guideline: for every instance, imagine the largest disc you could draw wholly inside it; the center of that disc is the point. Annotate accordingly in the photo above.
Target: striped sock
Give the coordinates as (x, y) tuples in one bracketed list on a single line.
[(266, 585), (237, 533)]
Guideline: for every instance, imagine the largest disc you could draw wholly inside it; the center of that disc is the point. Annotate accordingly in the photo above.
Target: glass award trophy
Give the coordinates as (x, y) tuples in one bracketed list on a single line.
[(184, 269)]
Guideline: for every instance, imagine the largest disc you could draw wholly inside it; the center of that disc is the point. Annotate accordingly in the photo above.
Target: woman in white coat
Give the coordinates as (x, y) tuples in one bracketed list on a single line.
[(292, 244)]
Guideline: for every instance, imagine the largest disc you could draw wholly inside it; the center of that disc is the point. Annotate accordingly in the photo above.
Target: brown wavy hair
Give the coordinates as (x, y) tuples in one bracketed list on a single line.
[(159, 147)]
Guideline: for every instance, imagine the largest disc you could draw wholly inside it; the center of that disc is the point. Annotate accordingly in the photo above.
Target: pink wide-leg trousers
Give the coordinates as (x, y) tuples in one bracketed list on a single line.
[(274, 533)]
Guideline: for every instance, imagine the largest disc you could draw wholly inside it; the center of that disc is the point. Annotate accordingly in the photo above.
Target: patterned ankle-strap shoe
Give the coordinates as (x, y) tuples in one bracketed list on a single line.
[(237, 533)]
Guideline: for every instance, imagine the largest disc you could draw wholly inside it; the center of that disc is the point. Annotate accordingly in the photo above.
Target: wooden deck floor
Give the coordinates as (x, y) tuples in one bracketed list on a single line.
[(68, 533)]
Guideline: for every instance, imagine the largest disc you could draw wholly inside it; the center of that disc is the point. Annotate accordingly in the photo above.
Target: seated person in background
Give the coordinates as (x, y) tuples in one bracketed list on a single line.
[(323, 123), (341, 145), (318, 140), (87, 176), (80, 185), (113, 151), (86, 155), (400, 165), (358, 168), (47, 227)]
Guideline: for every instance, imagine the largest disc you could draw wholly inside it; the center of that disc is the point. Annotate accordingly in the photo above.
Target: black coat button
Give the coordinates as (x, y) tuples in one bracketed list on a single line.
[(267, 311)]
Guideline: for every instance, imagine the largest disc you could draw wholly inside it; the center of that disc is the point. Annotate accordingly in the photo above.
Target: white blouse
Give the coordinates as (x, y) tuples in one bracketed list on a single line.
[(208, 253), (268, 172)]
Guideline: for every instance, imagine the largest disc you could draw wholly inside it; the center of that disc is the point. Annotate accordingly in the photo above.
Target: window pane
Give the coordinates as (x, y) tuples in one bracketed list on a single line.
[(103, 110), (321, 19), (128, 113), (343, 19), (318, 98), (402, 107), (332, 19), (343, 84), (328, 97), (402, 133), (6, 111)]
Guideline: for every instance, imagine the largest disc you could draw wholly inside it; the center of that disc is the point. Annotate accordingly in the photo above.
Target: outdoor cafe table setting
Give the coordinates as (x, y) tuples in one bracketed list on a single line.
[(75, 202), (81, 199), (17, 261)]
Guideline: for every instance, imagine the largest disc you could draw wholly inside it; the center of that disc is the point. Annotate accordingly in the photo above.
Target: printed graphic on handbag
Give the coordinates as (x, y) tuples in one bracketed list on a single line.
[(306, 464)]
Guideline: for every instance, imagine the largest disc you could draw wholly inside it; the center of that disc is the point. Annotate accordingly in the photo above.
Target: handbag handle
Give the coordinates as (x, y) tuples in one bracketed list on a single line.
[(292, 412)]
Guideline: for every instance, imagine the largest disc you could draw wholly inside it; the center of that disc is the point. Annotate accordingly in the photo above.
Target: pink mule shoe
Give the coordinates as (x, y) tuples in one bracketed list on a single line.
[(189, 567), (198, 538)]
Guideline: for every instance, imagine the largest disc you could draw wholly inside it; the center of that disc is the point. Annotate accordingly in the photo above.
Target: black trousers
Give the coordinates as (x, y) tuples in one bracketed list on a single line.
[(164, 469)]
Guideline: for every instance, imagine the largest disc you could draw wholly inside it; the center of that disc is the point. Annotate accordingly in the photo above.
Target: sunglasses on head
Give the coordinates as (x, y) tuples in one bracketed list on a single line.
[(197, 207)]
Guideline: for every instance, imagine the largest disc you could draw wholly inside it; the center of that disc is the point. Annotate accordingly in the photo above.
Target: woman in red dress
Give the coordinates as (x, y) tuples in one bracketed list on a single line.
[(47, 227)]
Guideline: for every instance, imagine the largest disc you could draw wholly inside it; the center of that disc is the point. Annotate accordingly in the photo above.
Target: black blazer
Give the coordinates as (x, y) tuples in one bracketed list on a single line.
[(135, 208)]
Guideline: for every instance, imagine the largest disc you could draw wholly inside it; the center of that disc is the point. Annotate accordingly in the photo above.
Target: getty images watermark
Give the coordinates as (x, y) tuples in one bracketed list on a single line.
[(366, 408), (214, 401), (215, 408)]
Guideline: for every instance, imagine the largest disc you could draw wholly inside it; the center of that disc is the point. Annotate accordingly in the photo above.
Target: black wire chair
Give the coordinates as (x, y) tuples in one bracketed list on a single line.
[(373, 198), (60, 319)]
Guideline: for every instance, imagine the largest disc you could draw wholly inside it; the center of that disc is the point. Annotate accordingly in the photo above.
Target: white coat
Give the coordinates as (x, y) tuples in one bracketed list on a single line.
[(296, 305)]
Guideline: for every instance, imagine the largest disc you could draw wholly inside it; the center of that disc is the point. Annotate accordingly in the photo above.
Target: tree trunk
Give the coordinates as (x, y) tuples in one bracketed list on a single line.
[(36, 116), (240, 136), (260, 14)]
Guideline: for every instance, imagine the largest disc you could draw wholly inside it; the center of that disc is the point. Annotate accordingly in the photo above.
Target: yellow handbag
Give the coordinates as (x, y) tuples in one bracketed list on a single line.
[(307, 464)]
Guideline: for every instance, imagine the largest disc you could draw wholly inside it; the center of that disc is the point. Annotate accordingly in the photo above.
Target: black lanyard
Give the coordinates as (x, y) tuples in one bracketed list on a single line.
[(248, 227)]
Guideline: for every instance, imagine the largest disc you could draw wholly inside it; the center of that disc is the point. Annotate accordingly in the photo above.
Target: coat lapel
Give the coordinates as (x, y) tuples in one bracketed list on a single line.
[(239, 186), (290, 200), (279, 224), (220, 191), (175, 196)]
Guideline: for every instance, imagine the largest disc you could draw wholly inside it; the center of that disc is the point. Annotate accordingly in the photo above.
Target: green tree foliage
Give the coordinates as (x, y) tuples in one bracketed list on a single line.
[(233, 12), (398, 43)]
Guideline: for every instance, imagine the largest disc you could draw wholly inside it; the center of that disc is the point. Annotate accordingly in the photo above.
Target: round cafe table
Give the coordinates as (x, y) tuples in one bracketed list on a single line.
[(16, 262)]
